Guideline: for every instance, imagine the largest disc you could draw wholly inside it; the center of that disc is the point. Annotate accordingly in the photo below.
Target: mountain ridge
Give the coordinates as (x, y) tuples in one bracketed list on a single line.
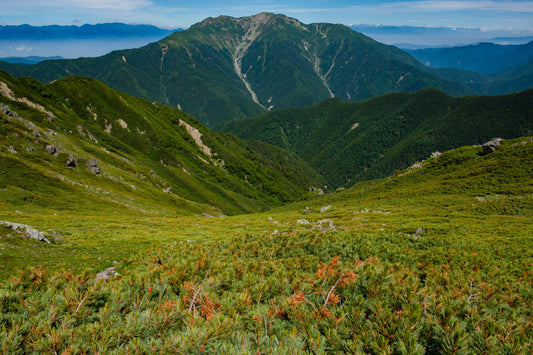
[(223, 68), (484, 58), (111, 29)]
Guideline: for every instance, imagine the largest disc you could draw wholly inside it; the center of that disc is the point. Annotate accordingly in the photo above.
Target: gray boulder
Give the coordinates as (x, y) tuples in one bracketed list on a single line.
[(7, 111), (51, 149), (325, 208), (491, 146), (325, 225), (92, 165), (29, 231), (71, 161), (106, 274), (419, 233)]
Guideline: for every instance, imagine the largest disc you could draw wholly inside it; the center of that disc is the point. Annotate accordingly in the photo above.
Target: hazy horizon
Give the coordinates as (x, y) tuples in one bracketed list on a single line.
[(402, 36)]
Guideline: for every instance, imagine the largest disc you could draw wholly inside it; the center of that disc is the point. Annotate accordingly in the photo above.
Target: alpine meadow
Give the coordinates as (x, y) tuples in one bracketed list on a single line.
[(258, 185)]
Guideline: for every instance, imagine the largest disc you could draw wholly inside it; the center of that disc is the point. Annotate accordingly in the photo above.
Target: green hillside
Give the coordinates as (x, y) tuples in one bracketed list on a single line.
[(150, 157), (436, 259), (349, 142), (224, 68)]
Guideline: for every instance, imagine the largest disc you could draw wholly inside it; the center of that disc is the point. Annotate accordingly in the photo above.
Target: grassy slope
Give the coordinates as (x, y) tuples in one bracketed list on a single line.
[(250, 283), (350, 142), (142, 149)]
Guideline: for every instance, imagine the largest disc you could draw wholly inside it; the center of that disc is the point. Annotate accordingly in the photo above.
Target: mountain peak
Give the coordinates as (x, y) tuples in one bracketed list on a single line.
[(245, 22), (236, 67)]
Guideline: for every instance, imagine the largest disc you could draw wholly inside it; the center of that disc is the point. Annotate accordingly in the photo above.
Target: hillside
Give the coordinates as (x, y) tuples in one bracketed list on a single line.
[(77, 145), (436, 259), (486, 68), (349, 142), (516, 79), (224, 68)]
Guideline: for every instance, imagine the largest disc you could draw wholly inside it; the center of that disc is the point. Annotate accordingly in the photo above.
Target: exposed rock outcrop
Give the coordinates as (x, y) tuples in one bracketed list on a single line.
[(325, 208), (106, 274), (325, 225), (71, 161), (51, 149), (92, 165), (7, 111), (419, 233), (491, 146), (27, 230)]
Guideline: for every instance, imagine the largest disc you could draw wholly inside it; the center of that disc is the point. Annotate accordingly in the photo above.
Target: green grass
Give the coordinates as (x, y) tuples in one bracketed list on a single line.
[(263, 283)]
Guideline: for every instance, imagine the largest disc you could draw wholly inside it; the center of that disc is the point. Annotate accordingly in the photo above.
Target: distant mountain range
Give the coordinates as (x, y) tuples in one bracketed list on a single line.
[(75, 41), (28, 60), (225, 68), (484, 58), (348, 142), (102, 30), (416, 37)]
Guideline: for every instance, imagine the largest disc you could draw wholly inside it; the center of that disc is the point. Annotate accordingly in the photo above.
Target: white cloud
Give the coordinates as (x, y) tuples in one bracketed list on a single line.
[(454, 5), (24, 49), (126, 5)]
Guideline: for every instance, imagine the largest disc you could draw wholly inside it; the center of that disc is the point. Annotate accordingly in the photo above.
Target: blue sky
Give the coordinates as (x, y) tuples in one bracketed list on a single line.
[(502, 14)]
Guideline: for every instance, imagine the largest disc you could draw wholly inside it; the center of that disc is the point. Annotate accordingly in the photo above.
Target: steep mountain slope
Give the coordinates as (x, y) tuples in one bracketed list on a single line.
[(484, 58), (225, 68), (348, 142), (516, 79), (77, 144)]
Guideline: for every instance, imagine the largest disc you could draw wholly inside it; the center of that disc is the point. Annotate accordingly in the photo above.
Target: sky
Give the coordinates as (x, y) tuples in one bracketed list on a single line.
[(464, 22), (516, 15)]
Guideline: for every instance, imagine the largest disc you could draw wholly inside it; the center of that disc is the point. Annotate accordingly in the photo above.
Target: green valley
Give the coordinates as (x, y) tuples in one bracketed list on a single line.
[(349, 142)]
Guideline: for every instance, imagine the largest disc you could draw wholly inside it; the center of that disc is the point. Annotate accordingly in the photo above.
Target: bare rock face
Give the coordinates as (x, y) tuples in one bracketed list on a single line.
[(491, 146), (325, 225), (92, 165), (7, 111), (51, 149), (71, 161), (29, 231), (106, 274)]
